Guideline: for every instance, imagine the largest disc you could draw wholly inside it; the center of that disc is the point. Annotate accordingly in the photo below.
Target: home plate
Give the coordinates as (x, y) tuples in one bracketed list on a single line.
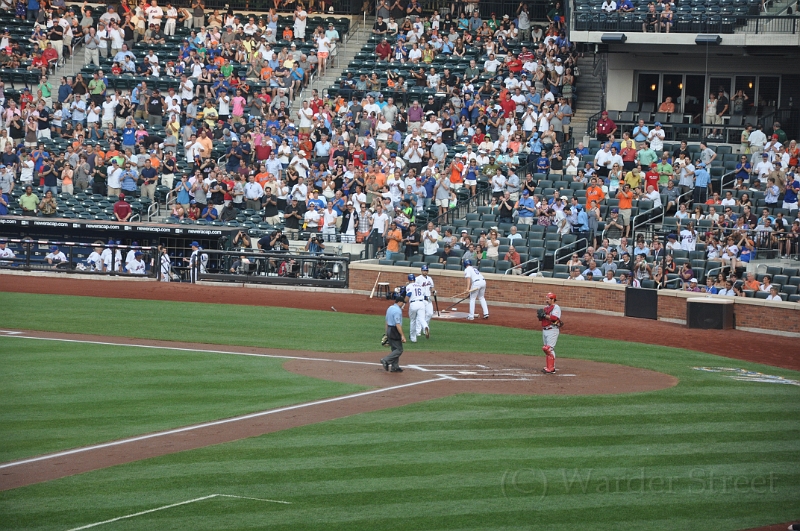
[(451, 315)]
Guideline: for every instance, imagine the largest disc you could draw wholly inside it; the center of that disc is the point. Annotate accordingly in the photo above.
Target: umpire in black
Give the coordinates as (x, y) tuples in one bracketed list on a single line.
[(394, 332)]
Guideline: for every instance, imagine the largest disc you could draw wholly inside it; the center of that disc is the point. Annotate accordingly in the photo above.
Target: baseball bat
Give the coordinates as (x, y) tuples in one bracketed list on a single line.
[(459, 302), (436, 301), (468, 292), (375, 286)]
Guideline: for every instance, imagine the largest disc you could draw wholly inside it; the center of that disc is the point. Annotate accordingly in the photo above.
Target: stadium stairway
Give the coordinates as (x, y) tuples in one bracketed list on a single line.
[(359, 35), (589, 94)]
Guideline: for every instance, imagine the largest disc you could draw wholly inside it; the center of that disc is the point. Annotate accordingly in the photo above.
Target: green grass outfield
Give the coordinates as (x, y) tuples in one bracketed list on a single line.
[(714, 453)]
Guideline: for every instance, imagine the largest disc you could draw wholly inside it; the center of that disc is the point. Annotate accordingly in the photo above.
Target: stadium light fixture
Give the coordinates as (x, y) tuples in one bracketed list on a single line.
[(708, 39), (613, 38)]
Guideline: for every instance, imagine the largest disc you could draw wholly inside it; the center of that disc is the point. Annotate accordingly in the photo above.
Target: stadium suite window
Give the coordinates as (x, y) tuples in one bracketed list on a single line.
[(690, 91), (649, 88)]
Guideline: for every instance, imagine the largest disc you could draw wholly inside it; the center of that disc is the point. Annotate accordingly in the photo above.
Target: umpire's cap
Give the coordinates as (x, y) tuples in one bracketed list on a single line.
[(551, 295), (467, 262), (411, 277)]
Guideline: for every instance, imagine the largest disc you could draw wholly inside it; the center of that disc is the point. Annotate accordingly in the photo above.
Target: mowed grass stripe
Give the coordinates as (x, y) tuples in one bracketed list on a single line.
[(178, 321), (378, 512), (511, 431), (384, 480), (383, 511), (77, 394), (448, 497)]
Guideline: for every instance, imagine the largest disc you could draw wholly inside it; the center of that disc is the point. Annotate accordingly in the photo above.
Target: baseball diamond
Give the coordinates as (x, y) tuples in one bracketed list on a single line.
[(465, 386)]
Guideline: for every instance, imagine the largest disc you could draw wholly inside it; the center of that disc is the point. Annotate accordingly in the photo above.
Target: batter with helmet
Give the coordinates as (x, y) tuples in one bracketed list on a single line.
[(415, 295), (426, 282), (476, 285), (550, 318)]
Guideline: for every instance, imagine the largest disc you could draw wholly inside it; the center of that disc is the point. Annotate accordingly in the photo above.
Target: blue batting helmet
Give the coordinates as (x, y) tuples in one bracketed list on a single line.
[(424, 268), (411, 277), (467, 262)]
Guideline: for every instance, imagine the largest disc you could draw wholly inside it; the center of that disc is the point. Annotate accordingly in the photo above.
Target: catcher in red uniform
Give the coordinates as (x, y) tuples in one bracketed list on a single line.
[(550, 319)]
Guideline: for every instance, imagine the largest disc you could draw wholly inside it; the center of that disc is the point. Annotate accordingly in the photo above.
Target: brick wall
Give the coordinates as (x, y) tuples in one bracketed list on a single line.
[(500, 288), (597, 296), (784, 318)]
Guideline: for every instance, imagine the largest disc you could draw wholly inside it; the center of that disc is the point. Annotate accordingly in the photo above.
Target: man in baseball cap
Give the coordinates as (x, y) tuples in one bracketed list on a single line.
[(55, 257), (550, 319), (426, 282)]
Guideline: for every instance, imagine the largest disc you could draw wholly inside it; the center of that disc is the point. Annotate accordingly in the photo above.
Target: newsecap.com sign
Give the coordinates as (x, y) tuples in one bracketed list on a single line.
[(27, 224)]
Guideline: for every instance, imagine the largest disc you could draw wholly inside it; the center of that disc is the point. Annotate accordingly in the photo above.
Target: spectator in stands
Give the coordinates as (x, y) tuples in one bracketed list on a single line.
[(609, 6), (773, 294), (666, 18), (605, 127), (640, 132), (122, 210), (766, 283), (692, 286), (515, 259), (667, 106), (614, 227)]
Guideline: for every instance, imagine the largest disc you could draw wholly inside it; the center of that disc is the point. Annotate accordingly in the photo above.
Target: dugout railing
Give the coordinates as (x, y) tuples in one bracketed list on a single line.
[(31, 255), (325, 270)]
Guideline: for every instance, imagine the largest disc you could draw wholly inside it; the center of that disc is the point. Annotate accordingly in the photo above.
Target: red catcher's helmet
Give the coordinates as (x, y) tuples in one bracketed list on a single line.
[(551, 295)]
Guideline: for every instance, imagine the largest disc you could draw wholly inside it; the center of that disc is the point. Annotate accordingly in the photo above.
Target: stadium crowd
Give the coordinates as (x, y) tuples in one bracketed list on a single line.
[(382, 149)]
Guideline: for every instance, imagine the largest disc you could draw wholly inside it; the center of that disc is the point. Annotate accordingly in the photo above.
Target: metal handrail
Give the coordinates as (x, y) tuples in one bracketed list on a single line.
[(339, 268), (573, 246), (732, 174), (479, 196), (687, 130), (764, 24), (153, 210), (649, 220), (523, 268), (171, 199)]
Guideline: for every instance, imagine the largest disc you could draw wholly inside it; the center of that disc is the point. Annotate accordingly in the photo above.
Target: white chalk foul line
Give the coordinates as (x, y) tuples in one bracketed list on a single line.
[(183, 349), (214, 423), (187, 502)]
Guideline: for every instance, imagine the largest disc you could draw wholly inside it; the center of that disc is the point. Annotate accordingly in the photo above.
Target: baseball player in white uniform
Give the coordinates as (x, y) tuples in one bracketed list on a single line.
[(476, 285), (95, 260), (131, 254), (416, 307), (426, 282), (197, 261), (550, 319), (137, 265), (5, 252), (165, 272), (108, 258), (118, 259)]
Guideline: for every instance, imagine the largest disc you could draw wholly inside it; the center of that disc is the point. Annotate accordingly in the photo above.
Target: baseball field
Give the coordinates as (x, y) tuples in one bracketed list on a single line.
[(144, 414)]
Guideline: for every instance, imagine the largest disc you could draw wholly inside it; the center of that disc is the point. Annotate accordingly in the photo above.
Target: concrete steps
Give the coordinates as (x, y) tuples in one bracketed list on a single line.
[(345, 54), (590, 97)]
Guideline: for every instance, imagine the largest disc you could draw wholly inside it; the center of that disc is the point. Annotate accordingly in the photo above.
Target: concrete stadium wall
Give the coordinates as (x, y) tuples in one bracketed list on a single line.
[(755, 315)]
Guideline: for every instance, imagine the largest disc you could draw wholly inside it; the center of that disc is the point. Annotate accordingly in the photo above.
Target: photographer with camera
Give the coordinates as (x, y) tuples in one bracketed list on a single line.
[(241, 241), (314, 246), (274, 242)]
